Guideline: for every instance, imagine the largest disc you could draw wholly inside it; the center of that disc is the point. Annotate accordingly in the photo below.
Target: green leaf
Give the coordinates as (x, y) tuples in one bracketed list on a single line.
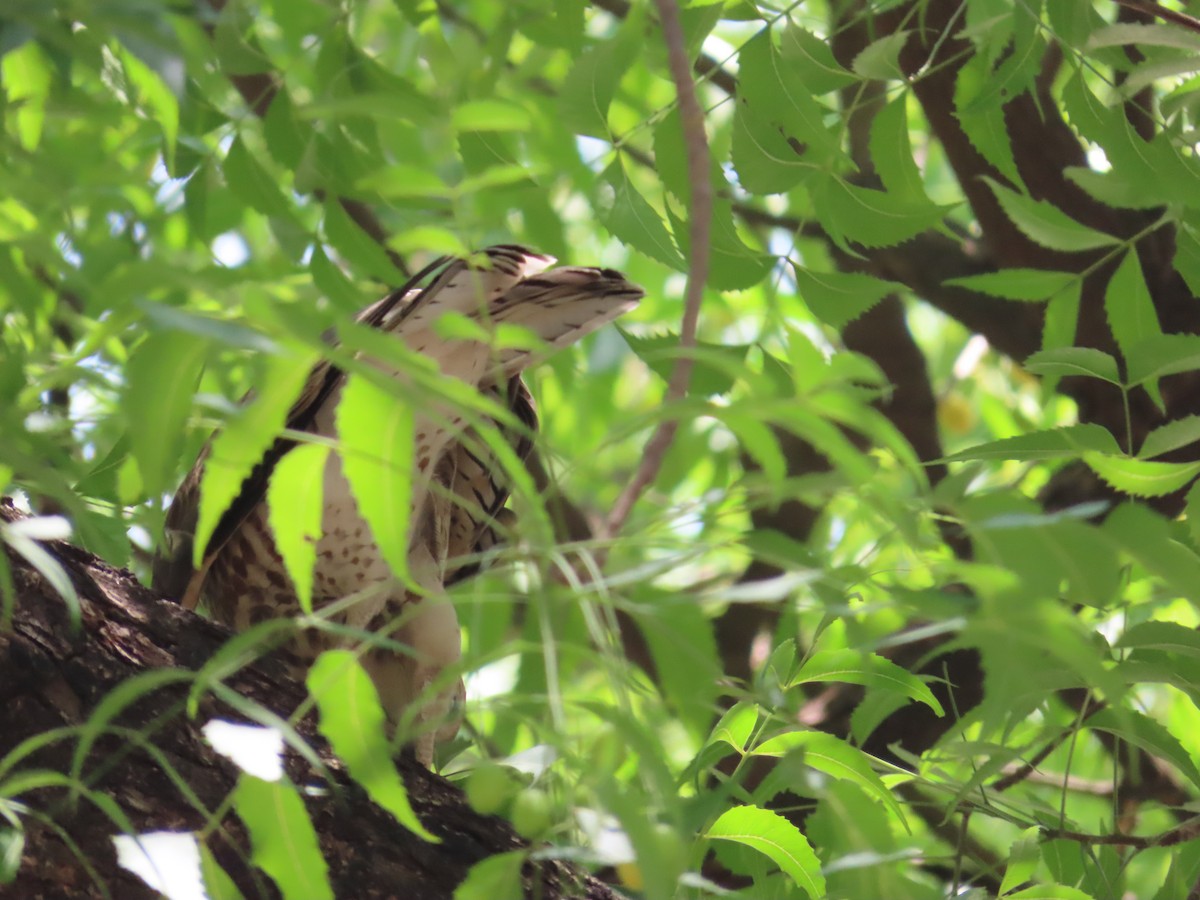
[(775, 837), (26, 74), (353, 722), (1046, 224), (12, 846), (1160, 355), (490, 115), (811, 59), (835, 758), (633, 220), (1023, 857), (1018, 284), (1084, 361), (251, 182), (870, 669), (1193, 513), (681, 641), (285, 139), (24, 537), (1172, 436), (732, 265), (984, 122), (716, 367), (1156, 170), (1141, 478), (872, 218), (495, 878), (881, 58), (1130, 308), (294, 511), (838, 298), (1148, 35), (1145, 733), (589, 88), (375, 430), (1050, 892), (779, 131), (735, 726), (283, 839), (1069, 442), (358, 247), (245, 439), (1148, 538), (153, 92), (161, 379), (1061, 321), (1112, 188), (1187, 258), (217, 883), (332, 282), (892, 152), (1170, 637)]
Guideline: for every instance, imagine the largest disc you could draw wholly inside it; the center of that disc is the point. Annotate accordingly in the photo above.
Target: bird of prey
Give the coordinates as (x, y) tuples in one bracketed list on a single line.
[(458, 490)]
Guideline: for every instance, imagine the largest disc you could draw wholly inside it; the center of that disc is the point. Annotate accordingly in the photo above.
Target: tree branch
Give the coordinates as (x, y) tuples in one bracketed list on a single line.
[(700, 223), (152, 763)]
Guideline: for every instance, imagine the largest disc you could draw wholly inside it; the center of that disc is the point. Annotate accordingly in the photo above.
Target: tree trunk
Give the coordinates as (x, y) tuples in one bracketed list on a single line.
[(151, 759)]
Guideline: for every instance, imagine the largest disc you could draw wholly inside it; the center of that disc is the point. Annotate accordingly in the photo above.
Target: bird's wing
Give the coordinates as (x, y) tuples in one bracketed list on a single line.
[(480, 488), (461, 285)]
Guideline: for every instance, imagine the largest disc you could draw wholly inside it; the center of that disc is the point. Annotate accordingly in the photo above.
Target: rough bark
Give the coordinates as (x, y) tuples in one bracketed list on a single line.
[(54, 673)]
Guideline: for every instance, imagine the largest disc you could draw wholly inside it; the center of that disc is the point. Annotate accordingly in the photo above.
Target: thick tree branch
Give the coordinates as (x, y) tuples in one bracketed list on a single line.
[(153, 763)]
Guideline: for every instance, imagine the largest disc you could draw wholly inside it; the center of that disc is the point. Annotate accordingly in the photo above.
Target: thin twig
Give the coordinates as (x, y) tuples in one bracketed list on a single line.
[(1172, 837), (1158, 11), (698, 164)]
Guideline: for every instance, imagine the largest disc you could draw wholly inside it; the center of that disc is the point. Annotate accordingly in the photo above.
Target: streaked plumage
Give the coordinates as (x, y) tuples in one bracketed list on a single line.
[(458, 490)]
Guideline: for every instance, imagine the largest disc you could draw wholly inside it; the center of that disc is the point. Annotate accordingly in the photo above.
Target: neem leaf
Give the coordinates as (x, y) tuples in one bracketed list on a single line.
[(1056, 443), (1170, 637), (1139, 477), (869, 669), (375, 431), (835, 758), (716, 367), (631, 218), (1086, 361), (873, 218), (1150, 539), (838, 298), (251, 182), (589, 88), (1162, 354), (1172, 436), (240, 445), (1018, 284), (891, 150), (1046, 224), (354, 723), (1145, 733), (358, 247), (284, 841), (494, 878), (774, 836), (1129, 306), (160, 380), (294, 511)]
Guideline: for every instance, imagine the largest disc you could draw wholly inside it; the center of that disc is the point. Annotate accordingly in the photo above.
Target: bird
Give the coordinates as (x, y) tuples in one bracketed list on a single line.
[(458, 488)]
